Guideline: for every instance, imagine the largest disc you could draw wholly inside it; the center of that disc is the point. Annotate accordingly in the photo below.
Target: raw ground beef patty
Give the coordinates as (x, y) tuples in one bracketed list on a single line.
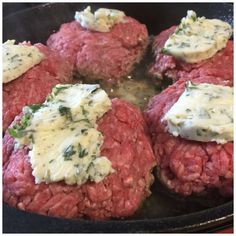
[(120, 194), (220, 65), (96, 55), (34, 85), (184, 166)]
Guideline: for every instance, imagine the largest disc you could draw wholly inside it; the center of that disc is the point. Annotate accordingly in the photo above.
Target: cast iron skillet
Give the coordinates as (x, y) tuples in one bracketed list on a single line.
[(162, 211)]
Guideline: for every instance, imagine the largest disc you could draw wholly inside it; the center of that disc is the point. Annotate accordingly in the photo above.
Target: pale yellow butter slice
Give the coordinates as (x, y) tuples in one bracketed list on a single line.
[(63, 137), (101, 20), (204, 112), (197, 38), (17, 59)]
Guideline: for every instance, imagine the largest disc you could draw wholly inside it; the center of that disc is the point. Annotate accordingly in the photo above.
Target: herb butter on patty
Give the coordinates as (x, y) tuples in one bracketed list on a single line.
[(204, 112), (62, 136), (197, 38), (17, 59), (102, 20)]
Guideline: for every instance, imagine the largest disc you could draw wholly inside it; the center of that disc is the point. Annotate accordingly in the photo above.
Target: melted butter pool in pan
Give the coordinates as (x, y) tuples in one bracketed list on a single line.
[(137, 92), (138, 87)]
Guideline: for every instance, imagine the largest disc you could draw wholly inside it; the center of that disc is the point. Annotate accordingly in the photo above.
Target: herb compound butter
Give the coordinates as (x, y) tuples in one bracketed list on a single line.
[(62, 136), (102, 20), (204, 112), (197, 38), (17, 59)]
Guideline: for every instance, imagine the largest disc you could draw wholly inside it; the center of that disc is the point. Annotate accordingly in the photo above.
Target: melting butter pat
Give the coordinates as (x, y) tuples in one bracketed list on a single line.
[(197, 38), (17, 59), (204, 112), (102, 20)]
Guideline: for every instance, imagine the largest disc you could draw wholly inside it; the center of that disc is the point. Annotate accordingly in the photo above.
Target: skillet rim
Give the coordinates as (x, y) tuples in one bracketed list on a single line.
[(226, 209)]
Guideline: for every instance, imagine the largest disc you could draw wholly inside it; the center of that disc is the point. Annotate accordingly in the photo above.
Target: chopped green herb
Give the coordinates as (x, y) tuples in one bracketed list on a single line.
[(31, 137), (95, 90), (14, 57), (14, 133), (204, 114), (82, 120), (180, 124), (194, 17), (211, 110), (25, 121), (178, 30), (68, 153), (229, 116), (213, 97), (189, 85), (35, 107), (59, 89), (165, 51), (17, 131), (49, 98), (51, 160), (214, 133), (83, 130), (84, 112), (198, 133), (82, 152), (65, 111), (183, 45)]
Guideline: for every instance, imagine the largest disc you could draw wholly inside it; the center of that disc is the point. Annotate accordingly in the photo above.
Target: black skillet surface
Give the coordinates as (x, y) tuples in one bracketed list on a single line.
[(162, 211)]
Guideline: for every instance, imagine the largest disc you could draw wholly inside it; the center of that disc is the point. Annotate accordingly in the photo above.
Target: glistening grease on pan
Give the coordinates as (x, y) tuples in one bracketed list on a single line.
[(95, 140)]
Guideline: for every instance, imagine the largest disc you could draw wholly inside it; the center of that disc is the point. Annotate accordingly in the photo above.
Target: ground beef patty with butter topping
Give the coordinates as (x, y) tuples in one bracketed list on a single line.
[(220, 65), (184, 166), (120, 194), (34, 85), (97, 55)]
